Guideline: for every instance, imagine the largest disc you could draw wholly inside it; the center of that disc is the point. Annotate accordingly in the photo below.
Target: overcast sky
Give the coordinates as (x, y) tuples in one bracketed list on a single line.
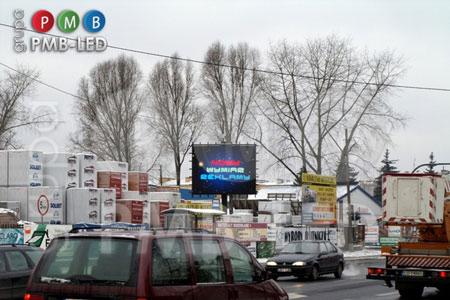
[(417, 30)]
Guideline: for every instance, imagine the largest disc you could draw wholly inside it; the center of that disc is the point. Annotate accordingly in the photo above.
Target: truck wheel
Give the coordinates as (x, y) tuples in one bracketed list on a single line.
[(338, 273), (444, 291), (410, 292)]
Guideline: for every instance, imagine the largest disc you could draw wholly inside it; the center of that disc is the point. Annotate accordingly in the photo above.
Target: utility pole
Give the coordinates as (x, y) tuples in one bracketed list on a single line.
[(349, 237), (160, 175)]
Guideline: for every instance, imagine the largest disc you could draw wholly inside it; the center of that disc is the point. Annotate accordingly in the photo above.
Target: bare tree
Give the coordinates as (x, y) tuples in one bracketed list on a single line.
[(176, 118), (231, 90), (14, 87), (321, 89), (109, 101)]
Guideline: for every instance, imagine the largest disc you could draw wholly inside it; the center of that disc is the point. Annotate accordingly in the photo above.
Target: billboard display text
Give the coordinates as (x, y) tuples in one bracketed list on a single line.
[(224, 169)]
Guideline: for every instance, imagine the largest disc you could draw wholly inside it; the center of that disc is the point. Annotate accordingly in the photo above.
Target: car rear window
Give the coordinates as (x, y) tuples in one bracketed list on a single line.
[(304, 247), (17, 261), (109, 261), (2, 263), (34, 255)]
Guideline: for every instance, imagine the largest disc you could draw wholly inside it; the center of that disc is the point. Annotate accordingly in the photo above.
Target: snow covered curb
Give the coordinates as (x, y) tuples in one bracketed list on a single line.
[(362, 254)]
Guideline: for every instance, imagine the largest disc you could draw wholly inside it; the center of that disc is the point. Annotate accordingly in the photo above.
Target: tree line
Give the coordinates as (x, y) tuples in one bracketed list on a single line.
[(297, 111)]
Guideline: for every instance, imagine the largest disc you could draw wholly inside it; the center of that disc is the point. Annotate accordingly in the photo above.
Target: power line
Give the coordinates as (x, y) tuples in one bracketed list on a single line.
[(34, 78), (196, 61)]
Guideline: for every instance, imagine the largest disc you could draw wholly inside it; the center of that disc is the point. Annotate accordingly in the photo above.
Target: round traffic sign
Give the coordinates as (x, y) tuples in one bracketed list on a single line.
[(43, 205)]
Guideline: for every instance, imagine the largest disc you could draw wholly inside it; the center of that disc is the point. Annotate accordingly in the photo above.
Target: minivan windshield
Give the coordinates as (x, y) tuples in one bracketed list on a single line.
[(301, 248), (86, 260)]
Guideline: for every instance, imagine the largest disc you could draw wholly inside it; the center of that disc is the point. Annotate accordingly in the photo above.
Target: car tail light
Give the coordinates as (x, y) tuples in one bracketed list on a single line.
[(375, 271), (33, 297), (443, 274)]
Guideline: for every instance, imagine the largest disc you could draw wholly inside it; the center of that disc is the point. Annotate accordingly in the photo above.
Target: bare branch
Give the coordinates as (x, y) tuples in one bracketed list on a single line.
[(108, 103)]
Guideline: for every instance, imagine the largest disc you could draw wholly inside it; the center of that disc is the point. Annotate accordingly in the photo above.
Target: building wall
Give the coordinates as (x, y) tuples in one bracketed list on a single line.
[(368, 209)]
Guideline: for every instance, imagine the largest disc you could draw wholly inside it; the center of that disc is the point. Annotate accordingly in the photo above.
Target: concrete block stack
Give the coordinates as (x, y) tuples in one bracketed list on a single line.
[(173, 198), (3, 168), (42, 204), (115, 166), (24, 168), (61, 169), (130, 211), (67, 188), (275, 211), (135, 201), (138, 181), (87, 166), (156, 207), (107, 206), (110, 180), (83, 205)]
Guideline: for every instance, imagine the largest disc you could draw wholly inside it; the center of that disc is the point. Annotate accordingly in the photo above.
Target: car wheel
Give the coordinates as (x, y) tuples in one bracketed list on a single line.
[(444, 291), (410, 292), (314, 273), (339, 270)]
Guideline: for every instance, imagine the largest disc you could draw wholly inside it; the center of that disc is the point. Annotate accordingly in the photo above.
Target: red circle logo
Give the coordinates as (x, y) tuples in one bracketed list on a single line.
[(42, 20)]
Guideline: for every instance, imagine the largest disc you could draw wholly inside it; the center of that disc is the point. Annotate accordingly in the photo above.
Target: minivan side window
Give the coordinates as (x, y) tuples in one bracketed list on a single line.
[(208, 261), (2, 263), (241, 262), (170, 264)]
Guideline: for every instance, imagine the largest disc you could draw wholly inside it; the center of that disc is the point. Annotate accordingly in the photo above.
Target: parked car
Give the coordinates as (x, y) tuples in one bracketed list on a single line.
[(307, 259), (145, 265), (16, 264)]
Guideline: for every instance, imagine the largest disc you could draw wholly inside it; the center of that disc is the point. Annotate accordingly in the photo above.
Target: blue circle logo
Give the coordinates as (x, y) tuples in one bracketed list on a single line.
[(94, 21)]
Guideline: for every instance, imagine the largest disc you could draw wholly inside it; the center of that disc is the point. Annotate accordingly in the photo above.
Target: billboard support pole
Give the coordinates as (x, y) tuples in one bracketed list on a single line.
[(225, 202)]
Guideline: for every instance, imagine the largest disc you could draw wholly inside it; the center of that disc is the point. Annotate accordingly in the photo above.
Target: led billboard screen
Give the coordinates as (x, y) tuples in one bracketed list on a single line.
[(223, 169)]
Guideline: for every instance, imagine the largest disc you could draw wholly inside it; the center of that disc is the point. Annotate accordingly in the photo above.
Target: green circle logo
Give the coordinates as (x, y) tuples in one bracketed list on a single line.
[(68, 21)]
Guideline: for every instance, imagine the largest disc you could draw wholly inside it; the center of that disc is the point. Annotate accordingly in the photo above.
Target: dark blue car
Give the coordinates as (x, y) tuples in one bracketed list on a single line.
[(307, 259)]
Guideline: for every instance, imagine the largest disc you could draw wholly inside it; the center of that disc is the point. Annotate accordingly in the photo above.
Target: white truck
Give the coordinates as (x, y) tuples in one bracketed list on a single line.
[(420, 202)]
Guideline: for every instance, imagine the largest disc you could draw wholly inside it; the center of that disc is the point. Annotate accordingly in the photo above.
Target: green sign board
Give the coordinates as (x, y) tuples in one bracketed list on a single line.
[(388, 241)]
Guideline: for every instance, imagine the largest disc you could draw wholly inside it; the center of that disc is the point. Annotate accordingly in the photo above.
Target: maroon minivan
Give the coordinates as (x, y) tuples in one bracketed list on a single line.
[(145, 265)]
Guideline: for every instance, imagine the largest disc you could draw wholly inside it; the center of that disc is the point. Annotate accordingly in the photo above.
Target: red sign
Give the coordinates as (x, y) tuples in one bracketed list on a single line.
[(225, 163)]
